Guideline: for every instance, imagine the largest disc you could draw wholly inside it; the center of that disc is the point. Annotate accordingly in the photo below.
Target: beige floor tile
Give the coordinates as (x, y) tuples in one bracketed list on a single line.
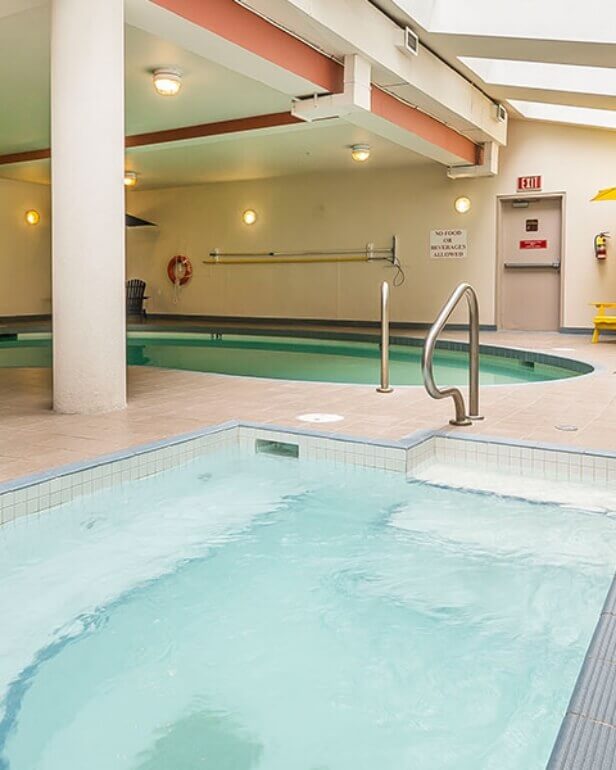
[(164, 403)]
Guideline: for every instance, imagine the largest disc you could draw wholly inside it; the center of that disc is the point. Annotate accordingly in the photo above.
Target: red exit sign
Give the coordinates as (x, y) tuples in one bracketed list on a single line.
[(534, 244), (529, 183)]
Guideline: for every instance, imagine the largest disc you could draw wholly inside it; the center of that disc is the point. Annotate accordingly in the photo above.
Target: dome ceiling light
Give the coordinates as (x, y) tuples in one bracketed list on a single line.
[(360, 152), (167, 81)]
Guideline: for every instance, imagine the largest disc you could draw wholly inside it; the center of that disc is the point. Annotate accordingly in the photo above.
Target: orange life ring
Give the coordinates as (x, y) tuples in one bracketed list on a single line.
[(179, 269)]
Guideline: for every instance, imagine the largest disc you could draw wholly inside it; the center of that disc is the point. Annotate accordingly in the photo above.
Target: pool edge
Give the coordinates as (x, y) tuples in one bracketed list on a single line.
[(581, 738)]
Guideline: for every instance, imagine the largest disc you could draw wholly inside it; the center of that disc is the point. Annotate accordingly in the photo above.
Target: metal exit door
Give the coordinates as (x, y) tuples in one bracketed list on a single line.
[(531, 250)]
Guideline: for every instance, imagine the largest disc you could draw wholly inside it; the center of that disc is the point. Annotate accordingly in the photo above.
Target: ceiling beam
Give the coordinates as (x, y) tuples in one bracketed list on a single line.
[(425, 81), (402, 117), (245, 31), (221, 128), (24, 157), (235, 33), (251, 32)]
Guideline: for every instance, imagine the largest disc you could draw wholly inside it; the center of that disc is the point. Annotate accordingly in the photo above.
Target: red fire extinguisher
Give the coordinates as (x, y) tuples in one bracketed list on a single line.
[(601, 245)]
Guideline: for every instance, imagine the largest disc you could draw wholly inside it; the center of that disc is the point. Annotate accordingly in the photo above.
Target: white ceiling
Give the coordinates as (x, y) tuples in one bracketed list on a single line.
[(298, 149), (592, 21), (210, 93), (478, 29), (24, 80), (558, 32), (571, 78)]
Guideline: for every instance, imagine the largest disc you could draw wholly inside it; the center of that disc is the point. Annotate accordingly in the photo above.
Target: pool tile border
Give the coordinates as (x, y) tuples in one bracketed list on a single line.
[(587, 737), (578, 365), (32, 494), (550, 462), (584, 744)]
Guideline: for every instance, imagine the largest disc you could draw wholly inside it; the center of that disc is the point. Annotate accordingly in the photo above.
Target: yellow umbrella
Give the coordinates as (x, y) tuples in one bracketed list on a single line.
[(606, 195)]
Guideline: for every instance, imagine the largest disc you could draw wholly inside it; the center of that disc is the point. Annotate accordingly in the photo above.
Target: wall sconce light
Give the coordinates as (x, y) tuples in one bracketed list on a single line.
[(360, 152), (462, 204), (249, 217), (167, 81), (32, 217), (130, 178)]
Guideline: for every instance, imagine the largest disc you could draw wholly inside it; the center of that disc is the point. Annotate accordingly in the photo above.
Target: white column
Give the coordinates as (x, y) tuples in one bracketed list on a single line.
[(87, 149)]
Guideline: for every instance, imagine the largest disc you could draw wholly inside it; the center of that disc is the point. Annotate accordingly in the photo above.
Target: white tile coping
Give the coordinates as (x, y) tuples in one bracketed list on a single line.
[(551, 474)]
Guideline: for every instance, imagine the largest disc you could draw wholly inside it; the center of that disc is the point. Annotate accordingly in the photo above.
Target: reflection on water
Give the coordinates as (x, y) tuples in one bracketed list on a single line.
[(212, 739)]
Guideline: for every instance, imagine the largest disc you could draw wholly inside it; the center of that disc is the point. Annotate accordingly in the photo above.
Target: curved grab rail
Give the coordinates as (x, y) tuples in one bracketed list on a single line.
[(461, 418)]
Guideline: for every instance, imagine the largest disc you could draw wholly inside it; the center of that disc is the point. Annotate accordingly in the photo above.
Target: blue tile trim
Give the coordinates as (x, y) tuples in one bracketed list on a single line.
[(583, 744), (587, 736), (569, 364), (498, 351), (610, 602), (583, 330)]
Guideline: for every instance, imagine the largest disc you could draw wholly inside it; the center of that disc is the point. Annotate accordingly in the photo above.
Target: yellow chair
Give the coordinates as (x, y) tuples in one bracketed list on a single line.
[(602, 320)]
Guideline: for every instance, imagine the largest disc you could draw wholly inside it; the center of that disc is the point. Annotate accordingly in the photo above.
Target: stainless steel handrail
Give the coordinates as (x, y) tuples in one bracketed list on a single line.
[(461, 418), (370, 252), (531, 265), (385, 387)]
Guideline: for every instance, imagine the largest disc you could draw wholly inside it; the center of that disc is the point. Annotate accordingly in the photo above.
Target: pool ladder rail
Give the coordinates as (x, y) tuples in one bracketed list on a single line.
[(462, 417), (384, 387)]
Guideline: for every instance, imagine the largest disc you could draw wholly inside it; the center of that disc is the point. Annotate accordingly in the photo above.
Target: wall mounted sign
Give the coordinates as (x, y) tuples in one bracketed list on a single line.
[(529, 183), (448, 244), (532, 225), (534, 244)]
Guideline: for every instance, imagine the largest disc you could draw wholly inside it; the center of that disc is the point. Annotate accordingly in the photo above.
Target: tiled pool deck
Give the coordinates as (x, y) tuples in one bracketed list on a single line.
[(164, 403)]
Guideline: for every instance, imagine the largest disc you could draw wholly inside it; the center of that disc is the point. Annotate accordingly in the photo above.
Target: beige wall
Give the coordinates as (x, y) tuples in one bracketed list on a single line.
[(577, 161), (302, 213), (25, 287), (337, 211), (347, 210)]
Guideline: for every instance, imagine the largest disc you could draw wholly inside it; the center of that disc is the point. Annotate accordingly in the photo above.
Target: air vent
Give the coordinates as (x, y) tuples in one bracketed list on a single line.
[(500, 113), (408, 41)]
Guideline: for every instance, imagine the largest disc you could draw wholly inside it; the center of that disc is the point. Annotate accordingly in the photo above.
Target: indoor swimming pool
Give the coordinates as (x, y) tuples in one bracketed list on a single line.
[(317, 618), (305, 358)]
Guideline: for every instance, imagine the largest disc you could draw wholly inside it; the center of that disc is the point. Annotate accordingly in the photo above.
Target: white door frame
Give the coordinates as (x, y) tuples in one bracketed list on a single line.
[(500, 256)]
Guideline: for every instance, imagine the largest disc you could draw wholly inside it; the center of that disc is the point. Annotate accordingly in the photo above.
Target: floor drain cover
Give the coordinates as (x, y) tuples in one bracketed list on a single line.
[(566, 427), (319, 417)]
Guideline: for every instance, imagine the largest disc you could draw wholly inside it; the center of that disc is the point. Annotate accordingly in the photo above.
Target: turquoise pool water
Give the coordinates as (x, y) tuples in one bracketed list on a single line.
[(269, 614), (293, 358)]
